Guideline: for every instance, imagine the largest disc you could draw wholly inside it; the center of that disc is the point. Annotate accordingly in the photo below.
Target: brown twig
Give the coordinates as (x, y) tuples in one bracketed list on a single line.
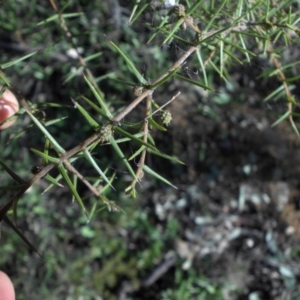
[(164, 105), (139, 172), (71, 169)]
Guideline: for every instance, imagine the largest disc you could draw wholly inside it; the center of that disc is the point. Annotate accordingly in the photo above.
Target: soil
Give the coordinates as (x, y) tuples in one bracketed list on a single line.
[(237, 199)]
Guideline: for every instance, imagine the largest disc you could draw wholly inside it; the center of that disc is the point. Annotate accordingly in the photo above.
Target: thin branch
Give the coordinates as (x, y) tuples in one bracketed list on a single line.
[(161, 107), (69, 37), (71, 169), (135, 102), (287, 91), (139, 172)]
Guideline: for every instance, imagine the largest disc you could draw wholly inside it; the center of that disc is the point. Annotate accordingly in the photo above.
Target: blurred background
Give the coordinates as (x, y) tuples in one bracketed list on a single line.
[(231, 228)]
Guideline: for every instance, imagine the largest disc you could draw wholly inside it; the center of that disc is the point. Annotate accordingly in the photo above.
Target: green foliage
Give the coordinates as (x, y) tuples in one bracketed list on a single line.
[(254, 29), (92, 263), (193, 287)]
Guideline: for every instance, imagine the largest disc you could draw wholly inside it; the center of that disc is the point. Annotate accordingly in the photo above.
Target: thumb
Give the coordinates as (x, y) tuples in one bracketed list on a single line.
[(7, 291)]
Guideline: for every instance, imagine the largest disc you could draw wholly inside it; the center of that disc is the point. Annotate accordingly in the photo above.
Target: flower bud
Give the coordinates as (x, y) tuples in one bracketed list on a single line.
[(166, 117)]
